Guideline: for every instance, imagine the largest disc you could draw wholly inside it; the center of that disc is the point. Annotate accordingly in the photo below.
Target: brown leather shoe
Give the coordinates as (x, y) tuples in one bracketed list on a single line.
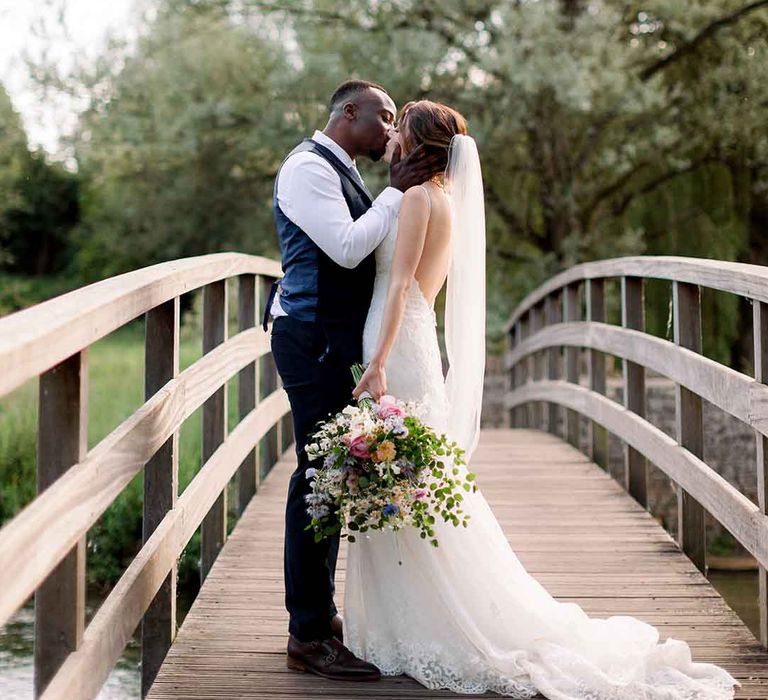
[(329, 658), (337, 628)]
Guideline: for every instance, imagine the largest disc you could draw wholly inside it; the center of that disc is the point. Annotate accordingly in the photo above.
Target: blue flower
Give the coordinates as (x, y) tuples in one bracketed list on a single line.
[(390, 509)]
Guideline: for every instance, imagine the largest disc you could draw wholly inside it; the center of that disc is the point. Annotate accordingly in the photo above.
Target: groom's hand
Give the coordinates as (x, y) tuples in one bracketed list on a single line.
[(415, 168)]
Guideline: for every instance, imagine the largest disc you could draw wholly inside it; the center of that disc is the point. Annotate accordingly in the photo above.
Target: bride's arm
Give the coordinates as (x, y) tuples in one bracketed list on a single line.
[(411, 233)]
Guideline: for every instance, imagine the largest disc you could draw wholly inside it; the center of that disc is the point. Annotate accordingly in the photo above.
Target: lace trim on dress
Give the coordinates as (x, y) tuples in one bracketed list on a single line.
[(427, 664)]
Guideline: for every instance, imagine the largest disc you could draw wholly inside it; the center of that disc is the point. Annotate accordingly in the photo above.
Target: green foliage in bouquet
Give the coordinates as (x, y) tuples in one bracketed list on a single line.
[(384, 468)]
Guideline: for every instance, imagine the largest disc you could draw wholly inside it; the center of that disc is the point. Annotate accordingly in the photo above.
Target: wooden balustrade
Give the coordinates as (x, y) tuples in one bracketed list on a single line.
[(633, 316), (760, 326), (697, 378), (42, 549)]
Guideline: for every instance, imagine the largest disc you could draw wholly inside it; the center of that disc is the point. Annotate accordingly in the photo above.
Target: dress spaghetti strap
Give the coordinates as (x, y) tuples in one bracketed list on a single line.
[(429, 198)]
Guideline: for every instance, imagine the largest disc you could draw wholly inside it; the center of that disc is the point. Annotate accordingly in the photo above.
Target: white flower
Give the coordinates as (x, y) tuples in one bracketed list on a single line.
[(318, 511), (315, 499), (312, 448), (335, 475)]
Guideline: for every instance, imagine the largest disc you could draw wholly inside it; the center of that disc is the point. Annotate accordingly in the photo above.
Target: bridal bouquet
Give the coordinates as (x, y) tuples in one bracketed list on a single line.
[(384, 468)]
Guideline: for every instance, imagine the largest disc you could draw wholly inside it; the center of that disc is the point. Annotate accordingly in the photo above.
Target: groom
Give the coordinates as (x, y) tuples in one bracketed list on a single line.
[(328, 225)]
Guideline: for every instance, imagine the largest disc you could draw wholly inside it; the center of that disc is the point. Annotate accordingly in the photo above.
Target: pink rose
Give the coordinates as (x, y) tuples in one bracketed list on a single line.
[(420, 494), (359, 447), (389, 411), (388, 407)]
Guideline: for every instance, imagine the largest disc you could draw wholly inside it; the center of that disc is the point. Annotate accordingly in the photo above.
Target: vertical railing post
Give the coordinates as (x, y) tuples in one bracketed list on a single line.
[(552, 315), (62, 441), (595, 290), (760, 327), (517, 376), (248, 296), (161, 486), (524, 371), (286, 430), (269, 381), (571, 312), (214, 527), (537, 366), (509, 376), (690, 429), (633, 317)]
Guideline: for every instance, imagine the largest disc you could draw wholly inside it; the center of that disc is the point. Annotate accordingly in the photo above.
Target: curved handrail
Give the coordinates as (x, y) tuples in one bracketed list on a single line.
[(732, 391), (724, 501), (550, 319), (42, 549), (738, 278), (85, 670), (33, 340), (68, 508)]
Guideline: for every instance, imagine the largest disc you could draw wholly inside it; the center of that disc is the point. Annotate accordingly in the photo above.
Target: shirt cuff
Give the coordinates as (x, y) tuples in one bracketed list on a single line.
[(390, 196)]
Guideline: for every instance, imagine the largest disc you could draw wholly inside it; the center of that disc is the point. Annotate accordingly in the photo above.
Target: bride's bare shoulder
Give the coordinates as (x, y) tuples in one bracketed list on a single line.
[(416, 197), (416, 206), (424, 200)]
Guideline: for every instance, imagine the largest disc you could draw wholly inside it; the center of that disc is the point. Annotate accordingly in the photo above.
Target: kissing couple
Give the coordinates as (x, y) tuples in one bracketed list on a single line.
[(360, 278)]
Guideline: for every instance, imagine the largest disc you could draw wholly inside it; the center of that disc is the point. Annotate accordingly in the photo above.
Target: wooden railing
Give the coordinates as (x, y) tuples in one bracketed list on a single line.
[(42, 549), (547, 334)]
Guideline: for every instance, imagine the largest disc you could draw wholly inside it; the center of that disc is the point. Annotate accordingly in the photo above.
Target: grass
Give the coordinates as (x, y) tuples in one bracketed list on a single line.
[(20, 291), (116, 390)]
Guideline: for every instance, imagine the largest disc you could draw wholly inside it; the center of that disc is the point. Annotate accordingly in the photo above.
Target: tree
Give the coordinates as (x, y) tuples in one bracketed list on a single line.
[(586, 113), (180, 142), (13, 157), (600, 125), (40, 225)]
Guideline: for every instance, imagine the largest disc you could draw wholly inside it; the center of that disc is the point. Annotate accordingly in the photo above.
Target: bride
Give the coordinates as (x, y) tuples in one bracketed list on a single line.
[(467, 616)]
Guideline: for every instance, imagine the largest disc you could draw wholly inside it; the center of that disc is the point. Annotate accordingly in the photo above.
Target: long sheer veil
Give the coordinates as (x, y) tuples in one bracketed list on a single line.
[(465, 293)]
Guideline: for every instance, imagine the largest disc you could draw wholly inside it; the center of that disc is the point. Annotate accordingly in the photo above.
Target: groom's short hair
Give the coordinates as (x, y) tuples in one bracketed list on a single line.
[(348, 89)]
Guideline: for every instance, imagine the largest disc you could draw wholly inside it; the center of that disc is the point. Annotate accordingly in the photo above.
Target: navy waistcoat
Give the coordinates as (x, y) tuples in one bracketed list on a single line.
[(316, 289)]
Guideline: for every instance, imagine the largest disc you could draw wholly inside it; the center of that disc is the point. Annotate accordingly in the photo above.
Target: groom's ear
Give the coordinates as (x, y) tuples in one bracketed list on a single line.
[(349, 110)]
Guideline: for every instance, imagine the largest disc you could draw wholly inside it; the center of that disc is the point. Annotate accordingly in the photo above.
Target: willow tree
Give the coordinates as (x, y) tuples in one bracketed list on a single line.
[(591, 116)]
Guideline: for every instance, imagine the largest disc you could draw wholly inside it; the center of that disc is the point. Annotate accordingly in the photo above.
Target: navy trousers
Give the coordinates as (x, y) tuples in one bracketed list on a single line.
[(317, 384)]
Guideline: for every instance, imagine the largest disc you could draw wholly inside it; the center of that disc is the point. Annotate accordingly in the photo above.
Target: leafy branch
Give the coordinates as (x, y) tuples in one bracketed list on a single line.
[(706, 33)]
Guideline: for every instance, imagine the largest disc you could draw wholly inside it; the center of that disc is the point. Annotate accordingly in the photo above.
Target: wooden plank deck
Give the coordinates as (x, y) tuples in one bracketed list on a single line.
[(572, 526)]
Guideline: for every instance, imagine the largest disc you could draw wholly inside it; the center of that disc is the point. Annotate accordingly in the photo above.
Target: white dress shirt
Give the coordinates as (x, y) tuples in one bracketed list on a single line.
[(309, 194)]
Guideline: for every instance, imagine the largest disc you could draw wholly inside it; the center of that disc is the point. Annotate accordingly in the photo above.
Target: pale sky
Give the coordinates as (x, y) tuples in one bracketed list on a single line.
[(87, 22)]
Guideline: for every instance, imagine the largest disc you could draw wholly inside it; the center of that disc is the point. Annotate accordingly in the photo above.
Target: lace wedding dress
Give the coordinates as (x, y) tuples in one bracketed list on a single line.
[(467, 616)]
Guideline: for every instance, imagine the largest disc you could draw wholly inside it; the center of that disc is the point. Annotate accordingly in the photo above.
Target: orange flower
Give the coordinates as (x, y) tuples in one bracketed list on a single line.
[(385, 452)]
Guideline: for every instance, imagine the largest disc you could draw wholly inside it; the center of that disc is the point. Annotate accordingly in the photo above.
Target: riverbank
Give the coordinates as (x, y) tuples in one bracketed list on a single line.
[(17, 649)]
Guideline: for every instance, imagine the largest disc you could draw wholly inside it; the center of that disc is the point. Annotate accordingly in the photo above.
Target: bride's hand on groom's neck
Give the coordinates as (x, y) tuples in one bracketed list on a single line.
[(415, 168)]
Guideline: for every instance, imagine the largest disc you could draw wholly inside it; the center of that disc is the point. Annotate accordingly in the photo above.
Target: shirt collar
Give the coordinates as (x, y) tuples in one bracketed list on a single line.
[(334, 147)]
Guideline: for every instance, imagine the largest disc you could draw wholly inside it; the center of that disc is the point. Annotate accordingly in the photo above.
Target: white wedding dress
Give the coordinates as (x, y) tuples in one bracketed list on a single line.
[(467, 616)]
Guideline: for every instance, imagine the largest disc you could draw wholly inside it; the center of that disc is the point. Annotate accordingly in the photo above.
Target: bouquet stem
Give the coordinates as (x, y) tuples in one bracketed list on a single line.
[(357, 373)]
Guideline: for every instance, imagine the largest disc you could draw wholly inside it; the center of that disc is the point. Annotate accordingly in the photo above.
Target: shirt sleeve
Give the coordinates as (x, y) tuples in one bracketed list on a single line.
[(309, 194)]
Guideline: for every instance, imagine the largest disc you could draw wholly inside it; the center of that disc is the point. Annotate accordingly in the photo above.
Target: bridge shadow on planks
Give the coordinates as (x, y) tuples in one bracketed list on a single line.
[(573, 527)]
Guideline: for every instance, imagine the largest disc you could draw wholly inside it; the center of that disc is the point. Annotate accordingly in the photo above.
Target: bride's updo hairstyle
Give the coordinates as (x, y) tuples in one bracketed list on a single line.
[(432, 124)]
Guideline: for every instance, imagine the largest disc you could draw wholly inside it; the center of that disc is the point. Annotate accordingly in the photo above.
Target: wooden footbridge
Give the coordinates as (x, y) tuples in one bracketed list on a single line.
[(588, 538)]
